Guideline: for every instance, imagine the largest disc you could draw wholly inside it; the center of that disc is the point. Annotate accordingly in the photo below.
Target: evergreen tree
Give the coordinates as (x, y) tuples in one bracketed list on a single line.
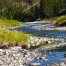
[(50, 8)]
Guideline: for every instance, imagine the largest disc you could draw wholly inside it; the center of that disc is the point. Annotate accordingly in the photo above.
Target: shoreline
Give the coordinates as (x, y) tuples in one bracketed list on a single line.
[(45, 43), (22, 57), (16, 56)]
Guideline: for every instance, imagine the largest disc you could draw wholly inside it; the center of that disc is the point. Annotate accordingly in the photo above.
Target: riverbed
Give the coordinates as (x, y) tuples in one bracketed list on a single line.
[(47, 31)]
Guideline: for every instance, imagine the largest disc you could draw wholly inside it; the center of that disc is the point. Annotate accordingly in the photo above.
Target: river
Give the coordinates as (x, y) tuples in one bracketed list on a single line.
[(54, 56)]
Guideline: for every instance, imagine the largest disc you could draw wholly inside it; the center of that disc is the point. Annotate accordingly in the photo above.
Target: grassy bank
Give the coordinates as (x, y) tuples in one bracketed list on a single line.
[(60, 21), (4, 23), (12, 38), (57, 21)]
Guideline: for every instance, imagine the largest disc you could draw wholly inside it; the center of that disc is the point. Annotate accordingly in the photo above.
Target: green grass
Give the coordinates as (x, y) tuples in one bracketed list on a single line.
[(61, 21), (4, 23), (12, 38)]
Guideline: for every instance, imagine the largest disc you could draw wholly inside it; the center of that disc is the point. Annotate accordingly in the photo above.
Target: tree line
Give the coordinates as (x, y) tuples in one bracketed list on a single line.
[(51, 8), (13, 9)]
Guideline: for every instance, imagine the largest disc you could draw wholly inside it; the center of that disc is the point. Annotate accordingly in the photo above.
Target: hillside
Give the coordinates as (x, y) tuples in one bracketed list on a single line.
[(31, 10), (14, 9)]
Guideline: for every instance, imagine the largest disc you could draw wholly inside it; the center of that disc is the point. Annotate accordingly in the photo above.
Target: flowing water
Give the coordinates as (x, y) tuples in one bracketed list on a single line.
[(54, 56)]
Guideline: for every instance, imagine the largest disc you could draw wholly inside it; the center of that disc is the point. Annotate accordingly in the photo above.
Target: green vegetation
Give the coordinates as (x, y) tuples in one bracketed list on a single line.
[(15, 9), (57, 21), (24, 10), (60, 21), (12, 38), (51, 8), (4, 23)]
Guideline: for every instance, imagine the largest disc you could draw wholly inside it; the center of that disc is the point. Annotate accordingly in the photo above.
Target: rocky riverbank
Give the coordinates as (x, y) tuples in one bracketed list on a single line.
[(16, 56), (46, 43)]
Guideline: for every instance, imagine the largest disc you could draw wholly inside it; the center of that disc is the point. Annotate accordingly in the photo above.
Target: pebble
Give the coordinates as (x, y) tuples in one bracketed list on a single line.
[(16, 56)]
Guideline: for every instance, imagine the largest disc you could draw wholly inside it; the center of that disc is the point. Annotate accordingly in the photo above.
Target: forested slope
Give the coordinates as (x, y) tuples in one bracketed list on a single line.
[(30, 10)]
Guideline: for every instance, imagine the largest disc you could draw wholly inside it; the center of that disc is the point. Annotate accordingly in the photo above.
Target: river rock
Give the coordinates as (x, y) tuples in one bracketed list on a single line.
[(34, 64), (2, 52), (16, 56), (62, 64)]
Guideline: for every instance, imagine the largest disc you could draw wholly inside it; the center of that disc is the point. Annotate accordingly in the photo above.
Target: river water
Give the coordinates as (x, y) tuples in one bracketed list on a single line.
[(54, 56)]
